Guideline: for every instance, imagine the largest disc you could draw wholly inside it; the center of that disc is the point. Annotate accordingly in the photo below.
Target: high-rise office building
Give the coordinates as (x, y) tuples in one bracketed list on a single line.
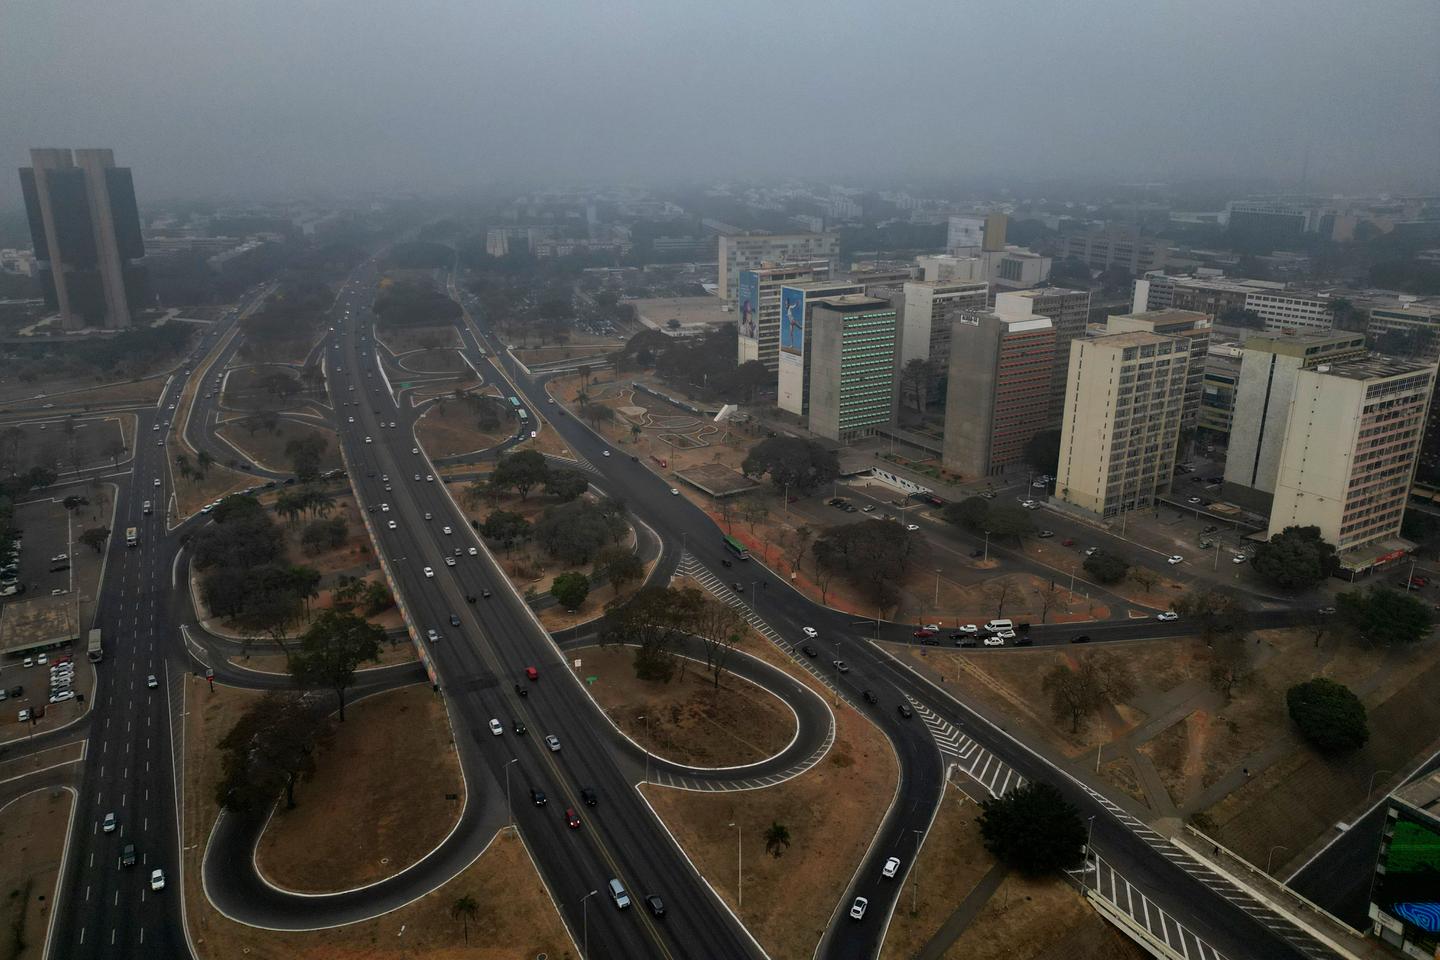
[(1190, 325), (976, 232), (798, 299), (742, 252), (1269, 365), (852, 365), (757, 311), (1068, 310), (86, 231), (929, 307), (999, 392), (1124, 395), (1351, 444)]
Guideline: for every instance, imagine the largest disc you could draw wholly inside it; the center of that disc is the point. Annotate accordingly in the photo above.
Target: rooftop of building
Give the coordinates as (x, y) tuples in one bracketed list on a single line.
[(1423, 794), (1133, 338), (1167, 316), (38, 622), (809, 285), (852, 301), (1372, 367), (1299, 344), (1037, 292)]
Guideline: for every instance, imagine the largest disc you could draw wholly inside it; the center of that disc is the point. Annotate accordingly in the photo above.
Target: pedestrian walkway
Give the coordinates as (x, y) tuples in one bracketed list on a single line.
[(997, 777), (964, 914)]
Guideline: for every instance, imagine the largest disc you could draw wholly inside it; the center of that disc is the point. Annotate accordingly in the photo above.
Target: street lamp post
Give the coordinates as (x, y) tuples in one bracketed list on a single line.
[(739, 864), (1271, 855), (937, 588), (1085, 869), (987, 547), (647, 745), (1370, 787), (585, 919), (509, 813), (915, 872)]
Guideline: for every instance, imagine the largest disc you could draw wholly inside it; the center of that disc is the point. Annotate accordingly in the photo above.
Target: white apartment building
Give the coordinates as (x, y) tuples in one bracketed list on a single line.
[(1291, 310), (1351, 445), (752, 251), (1124, 396), (929, 307)]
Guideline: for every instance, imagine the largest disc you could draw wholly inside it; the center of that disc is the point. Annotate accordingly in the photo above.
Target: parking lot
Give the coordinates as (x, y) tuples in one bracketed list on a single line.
[(45, 678), (52, 560)]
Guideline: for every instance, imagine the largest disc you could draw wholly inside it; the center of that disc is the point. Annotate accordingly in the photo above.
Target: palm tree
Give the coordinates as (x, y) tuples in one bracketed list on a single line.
[(582, 398), (777, 838), (464, 909)]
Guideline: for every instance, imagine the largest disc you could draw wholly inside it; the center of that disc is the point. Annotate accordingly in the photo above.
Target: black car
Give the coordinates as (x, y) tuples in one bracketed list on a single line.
[(739, 588), (905, 711), (127, 855), (469, 598), (1024, 641), (1082, 638), (518, 727), (17, 691), (656, 905), (454, 620), (869, 696), (587, 794), (809, 651), (537, 797)]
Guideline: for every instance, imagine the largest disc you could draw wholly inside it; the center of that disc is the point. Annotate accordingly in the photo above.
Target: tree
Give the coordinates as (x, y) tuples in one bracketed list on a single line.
[(1042, 451), (754, 510), (972, 513), (1296, 558), (113, 450), (521, 472), (1010, 520), (1328, 714), (95, 538), (269, 750), (915, 380), (654, 620), (322, 535), (575, 532), (304, 454), (777, 839), (829, 563), (1222, 621), (566, 485), (1096, 680), (718, 626), (203, 461), (570, 589), (750, 378), (465, 909), (1383, 617), (802, 465), (73, 503), (800, 541), (506, 528), (620, 567), (331, 649), (875, 555), (1105, 567), (1033, 828)]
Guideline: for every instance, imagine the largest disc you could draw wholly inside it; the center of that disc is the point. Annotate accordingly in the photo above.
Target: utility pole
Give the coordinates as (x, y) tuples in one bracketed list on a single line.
[(937, 588), (1085, 870), (585, 919), (987, 547), (509, 814), (739, 863), (915, 872)]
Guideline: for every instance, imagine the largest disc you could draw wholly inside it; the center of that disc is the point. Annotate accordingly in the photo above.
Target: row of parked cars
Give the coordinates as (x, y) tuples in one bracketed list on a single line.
[(10, 584)]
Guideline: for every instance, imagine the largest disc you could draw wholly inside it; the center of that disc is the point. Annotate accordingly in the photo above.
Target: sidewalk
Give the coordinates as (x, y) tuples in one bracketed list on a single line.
[(964, 914)]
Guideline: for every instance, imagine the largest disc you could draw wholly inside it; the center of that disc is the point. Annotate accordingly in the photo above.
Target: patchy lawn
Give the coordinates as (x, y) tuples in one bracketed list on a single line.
[(32, 834), (267, 447), (450, 428), (832, 812), (389, 766), (401, 340), (390, 653), (1038, 920), (689, 720)]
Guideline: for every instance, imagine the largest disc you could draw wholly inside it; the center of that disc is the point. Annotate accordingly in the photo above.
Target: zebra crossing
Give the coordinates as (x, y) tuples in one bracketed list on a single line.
[(1105, 882), (1109, 883), (579, 463), (997, 777)]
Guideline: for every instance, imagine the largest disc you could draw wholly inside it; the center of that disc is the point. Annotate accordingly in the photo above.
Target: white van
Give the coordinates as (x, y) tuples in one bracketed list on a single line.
[(997, 626), (618, 894)]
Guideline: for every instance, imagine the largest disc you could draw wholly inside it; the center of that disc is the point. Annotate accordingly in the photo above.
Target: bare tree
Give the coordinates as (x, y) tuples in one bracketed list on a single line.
[(1050, 596), (719, 628), (800, 541), (999, 591), (1144, 576), (1098, 679)]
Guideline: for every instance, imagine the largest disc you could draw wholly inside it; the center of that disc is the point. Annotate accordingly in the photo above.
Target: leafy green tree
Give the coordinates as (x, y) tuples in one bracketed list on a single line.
[(1383, 617), (506, 528), (270, 750), (1033, 828), (1042, 452), (1010, 520), (875, 555), (620, 567), (570, 589), (653, 621), (1106, 567), (1328, 714), (521, 472), (566, 485), (803, 465), (1296, 558), (331, 649), (95, 538), (575, 532), (972, 513)]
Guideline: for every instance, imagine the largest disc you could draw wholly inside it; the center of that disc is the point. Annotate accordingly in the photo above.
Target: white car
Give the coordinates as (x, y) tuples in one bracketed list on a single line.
[(429, 574), (810, 632), (1239, 558), (994, 641), (427, 515), (152, 682), (368, 440), (109, 824), (157, 879), (391, 524), (384, 508), (449, 561), (912, 527), (417, 478), (674, 492), (1174, 559), (1091, 551), (415, 450), (857, 909), (350, 419), (445, 530), (968, 628), (429, 478), (553, 742), (157, 481), (604, 453), (892, 867), (495, 727), (473, 552), (1167, 616)]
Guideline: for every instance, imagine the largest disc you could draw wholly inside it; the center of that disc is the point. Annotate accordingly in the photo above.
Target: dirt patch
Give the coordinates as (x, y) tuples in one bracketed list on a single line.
[(688, 720), (267, 447), (249, 388), (391, 766), (526, 925), (951, 862), (32, 834), (831, 811), (1028, 919), (139, 392), (65, 445), (400, 340), (1169, 753), (433, 361), (450, 428)]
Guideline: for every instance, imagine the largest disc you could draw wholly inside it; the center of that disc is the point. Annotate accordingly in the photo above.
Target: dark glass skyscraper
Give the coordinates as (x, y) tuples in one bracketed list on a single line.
[(85, 228)]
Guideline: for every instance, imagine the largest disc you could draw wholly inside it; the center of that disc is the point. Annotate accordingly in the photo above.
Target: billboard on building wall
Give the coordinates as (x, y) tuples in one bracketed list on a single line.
[(749, 305), (792, 323), (1409, 889)]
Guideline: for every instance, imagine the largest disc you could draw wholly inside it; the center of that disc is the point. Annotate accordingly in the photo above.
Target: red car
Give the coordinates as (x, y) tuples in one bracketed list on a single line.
[(572, 818), (532, 673), (923, 634), (1067, 542)]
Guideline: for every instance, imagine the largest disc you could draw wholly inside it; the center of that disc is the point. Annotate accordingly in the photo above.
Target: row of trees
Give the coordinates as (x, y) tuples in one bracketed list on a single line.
[(656, 619), (414, 305)]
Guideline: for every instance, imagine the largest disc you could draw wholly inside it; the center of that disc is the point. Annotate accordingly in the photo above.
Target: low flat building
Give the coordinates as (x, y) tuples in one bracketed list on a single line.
[(44, 623)]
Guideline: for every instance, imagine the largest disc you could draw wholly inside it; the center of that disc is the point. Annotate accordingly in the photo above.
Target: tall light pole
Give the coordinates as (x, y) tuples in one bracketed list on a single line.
[(739, 864), (647, 745), (937, 588), (1270, 856), (585, 919), (1085, 869), (915, 872), (509, 813), (987, 547), (1370, 787)]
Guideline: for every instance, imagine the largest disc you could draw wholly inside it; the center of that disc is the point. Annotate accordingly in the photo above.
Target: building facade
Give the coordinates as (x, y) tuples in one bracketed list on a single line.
[(1269, 366), (1293, 310), (757, 312), (85, 228), (928, 309), (1403, 894), (1217, 395), (742, 252), (1351, 444), (1413, 328), (1124, 397), (852, 375), (799, 299), (1116, 247), (1189, 325), (1068, 310), (999, 392)]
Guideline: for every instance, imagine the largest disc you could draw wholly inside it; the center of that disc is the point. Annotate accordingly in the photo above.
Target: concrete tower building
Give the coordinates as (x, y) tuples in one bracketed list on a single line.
[(86, 232), (999, 393)]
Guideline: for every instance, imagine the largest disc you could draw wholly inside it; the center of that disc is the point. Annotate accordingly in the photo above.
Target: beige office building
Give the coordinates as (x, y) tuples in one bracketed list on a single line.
[(1123, 401), (1351, 445), (1190, 325)]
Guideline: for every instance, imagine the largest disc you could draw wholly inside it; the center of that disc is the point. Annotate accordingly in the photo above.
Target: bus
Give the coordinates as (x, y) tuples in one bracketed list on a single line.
[(736, 547), (524, 417), (515, 402), (132, 536)]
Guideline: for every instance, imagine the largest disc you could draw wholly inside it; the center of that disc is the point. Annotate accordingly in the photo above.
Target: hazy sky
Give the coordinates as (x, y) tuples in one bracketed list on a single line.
[(266, 97)]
